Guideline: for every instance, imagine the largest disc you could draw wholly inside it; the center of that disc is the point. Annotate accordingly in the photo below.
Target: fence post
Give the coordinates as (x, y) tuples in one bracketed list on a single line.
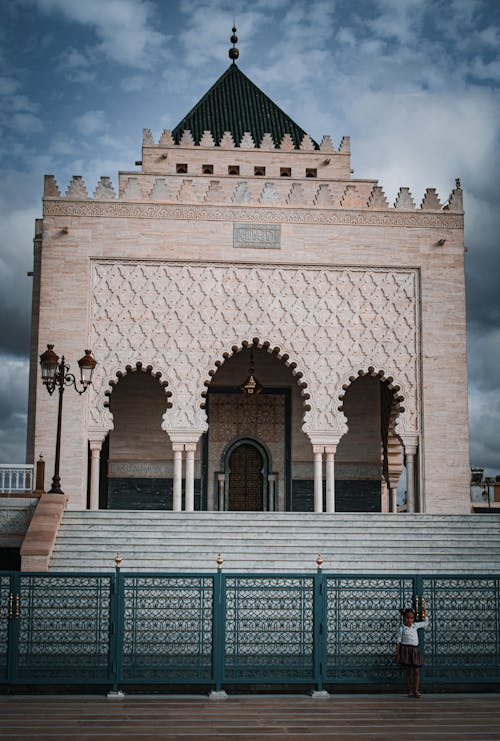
[(13, 627), (40, 476), (116, 630), (418, 605), (319, 630), (218, 630)]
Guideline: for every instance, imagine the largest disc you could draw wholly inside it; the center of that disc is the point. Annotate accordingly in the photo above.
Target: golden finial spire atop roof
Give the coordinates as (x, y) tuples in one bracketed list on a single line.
[(234, 52)]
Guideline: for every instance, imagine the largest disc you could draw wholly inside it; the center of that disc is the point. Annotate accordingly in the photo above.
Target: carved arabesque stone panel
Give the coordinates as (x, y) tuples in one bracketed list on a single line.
[(180, 319)]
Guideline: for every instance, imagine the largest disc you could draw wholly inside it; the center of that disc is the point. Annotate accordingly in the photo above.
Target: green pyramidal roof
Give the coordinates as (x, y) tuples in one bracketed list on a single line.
[(236, 105)]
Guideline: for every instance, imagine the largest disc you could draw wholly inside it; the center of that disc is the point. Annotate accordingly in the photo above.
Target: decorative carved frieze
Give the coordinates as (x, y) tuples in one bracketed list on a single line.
[(180, 319), (267, 214)]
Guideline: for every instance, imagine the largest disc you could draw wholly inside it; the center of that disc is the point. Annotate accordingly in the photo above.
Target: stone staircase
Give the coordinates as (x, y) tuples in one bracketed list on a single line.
[(278, 542)]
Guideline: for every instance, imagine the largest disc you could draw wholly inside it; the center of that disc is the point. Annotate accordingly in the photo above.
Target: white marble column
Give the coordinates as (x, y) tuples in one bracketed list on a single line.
[(393, 499), (318, 477), (177, 494), (410, 481), (183, 439), (189, 495), (384, 496), (95, 461), (413, 503), (221, 487), (271, 484), (330, 477)]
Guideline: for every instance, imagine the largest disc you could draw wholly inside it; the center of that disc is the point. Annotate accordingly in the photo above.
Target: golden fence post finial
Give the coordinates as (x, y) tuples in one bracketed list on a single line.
[(220, 561), (319, 561), (118, 560)]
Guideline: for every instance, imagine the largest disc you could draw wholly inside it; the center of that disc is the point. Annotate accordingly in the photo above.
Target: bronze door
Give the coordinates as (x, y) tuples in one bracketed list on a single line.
[(246, 491)]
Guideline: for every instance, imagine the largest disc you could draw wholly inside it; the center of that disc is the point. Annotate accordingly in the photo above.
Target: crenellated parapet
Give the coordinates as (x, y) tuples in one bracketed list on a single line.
[(284, 192), (267, 142), (299, 178)]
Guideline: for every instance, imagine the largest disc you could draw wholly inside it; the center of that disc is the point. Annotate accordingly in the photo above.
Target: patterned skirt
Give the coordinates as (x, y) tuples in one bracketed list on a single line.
[(410, 655)]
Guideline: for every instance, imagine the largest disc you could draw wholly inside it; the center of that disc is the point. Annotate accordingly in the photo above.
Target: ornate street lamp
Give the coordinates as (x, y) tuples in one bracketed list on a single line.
[(55, 374), (486, 492)]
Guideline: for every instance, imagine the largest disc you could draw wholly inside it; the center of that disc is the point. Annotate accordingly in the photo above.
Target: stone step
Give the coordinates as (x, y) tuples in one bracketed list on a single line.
[(472, 523), (227, 546), (254, 517), (277, 542)]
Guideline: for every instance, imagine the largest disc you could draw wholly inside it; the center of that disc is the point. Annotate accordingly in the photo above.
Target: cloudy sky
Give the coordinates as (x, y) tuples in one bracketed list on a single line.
[(415, 83)]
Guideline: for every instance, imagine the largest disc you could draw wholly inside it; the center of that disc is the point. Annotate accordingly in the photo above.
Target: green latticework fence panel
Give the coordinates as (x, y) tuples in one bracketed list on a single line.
[(167, 628), (255, 629), (463, 639), (64, 624), (269, 628), (363, 619)]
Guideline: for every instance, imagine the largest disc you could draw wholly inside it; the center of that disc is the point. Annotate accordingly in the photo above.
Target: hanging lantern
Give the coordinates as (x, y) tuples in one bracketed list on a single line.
[(251, 387)]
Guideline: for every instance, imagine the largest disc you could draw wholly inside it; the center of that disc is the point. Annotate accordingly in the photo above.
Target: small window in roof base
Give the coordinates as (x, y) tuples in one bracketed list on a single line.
[(285, 172), (181, 169), (311, 172), (207, 169), (233, 170), (259, 171)]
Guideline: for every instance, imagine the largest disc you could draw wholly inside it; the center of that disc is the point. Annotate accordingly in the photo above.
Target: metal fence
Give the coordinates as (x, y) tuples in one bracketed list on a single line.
[(221, 629)]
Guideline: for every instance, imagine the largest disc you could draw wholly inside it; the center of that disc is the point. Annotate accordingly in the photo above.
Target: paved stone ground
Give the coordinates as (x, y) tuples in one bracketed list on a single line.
[(366, 717)]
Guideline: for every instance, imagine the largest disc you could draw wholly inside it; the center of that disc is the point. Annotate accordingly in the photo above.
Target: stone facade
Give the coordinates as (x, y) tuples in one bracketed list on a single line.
[(354, 308)]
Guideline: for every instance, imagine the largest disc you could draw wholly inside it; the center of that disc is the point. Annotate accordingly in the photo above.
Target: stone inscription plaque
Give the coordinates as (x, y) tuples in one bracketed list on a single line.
[(139, 469), (261, 236)]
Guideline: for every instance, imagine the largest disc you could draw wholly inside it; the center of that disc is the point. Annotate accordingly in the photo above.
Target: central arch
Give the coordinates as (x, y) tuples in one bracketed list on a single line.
[(246, 468), (271, 420)]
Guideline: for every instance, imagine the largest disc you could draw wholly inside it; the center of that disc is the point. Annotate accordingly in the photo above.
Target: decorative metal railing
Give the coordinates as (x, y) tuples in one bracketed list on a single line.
[(220, 629), (16, 478)]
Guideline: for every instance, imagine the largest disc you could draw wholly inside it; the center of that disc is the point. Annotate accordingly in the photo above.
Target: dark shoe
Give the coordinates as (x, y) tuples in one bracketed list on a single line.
[(417, 694)]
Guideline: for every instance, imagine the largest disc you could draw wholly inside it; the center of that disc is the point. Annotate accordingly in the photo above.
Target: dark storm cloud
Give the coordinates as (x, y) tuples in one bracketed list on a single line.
[(13, 402)]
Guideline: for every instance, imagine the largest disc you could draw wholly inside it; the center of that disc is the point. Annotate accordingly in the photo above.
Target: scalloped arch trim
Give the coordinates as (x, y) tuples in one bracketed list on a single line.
[(265, 345), (138, 368), (383, 378)]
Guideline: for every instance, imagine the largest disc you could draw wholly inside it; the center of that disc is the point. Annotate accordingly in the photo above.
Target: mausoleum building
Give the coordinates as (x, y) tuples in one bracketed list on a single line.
[(271, 334)]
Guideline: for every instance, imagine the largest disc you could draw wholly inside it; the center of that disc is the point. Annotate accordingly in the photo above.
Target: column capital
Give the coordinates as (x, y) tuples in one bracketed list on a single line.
[(189, 447), (410, 442), (325, 438), (184, 437), (97, 434), (95, 446), (330, 449)]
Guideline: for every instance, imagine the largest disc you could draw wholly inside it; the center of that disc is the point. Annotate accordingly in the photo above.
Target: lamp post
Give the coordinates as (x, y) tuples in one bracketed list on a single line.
[(486, 492), (55, 374)]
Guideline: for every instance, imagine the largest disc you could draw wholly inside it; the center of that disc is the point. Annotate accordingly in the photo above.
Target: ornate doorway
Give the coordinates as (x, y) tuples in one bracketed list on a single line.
[(247, 474)]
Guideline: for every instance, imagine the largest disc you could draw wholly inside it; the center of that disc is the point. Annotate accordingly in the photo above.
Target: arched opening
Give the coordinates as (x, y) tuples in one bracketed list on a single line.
[(139, 453), (246, 468), (368, 460), (267, 426)]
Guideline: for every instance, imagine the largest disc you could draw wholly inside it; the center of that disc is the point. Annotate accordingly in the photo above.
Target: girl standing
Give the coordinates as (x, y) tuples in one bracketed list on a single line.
[(407, 650)]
